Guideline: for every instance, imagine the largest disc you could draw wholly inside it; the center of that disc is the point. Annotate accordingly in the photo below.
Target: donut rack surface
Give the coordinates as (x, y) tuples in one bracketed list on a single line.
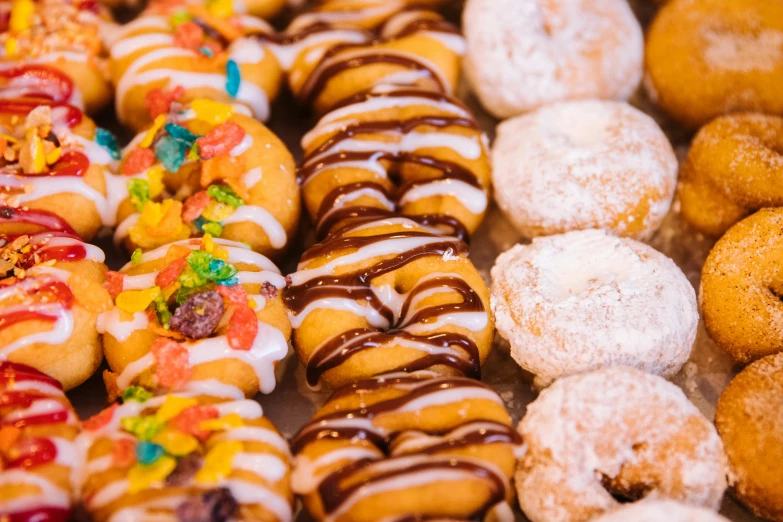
[(293, 403)]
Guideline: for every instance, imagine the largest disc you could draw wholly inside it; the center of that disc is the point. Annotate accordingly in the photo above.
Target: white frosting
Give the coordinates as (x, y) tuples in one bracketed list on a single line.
[(654, 510)]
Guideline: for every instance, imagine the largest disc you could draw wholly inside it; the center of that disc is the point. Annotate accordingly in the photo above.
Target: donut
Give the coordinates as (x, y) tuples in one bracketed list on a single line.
[(397, 150), (364, 14), (38, 454), (185, 456), (584, 164), (182, 51), (408, 447), (50, 298), (586, 300), (731, 170), (204, 167), (705, 58), (266, 9), (523, 54), (741, 287), (55, 169), (194, 310), (388, 295), (622, 434), (748, 421), (54, 48), (660, 511)]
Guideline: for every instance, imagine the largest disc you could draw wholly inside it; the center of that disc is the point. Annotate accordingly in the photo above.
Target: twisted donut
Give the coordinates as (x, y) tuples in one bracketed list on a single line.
[(54, 170), (388, 295), (732, 169), (207, 168), (50, 298), (408, 447), (38, 454), (615, 433), (196, 455), (741, 285), (196, 310), (397, 149)]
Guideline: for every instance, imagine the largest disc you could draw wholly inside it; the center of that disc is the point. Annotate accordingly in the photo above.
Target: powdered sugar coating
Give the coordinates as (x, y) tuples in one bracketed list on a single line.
[(584, 164), (586, 300), (660, 511), (522, 54), (634, 432)]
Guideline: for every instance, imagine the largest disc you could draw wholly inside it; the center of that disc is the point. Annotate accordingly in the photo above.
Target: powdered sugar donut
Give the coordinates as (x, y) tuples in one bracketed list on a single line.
[(584, 164), (615, 433), (660, 511), (587, 300), (522, 54)]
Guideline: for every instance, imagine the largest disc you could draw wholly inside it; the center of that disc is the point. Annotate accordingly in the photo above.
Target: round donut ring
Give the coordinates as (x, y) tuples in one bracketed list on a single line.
[(732, 170), (408, 447), (741, 285), (749, 422), (622, 433), (49, 304), (659, 511), (384, 296)]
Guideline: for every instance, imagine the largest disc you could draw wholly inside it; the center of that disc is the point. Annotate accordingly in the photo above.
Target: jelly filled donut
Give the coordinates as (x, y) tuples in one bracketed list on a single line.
[(660, 511), (381, 296), (195, 310), (584, 164), (191, 456), (397, 149), (741, 285), (54, 48), (732, 170), (38, 454), (623, 433), (522, 54), (54, 170), (705, 58), (408, 447), (586, 300), (183, 51), (50, 298), (205, 168), (749, 422)]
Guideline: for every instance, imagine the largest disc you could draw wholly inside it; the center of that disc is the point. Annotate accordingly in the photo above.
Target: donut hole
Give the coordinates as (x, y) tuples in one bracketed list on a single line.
[(624, 495)]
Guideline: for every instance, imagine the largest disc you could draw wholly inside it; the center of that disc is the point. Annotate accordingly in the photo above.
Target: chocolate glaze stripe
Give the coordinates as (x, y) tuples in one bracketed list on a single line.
[(402, 92), (446, 225)]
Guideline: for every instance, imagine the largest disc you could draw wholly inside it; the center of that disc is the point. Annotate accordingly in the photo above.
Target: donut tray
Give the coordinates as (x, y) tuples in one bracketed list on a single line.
[(293, 403)]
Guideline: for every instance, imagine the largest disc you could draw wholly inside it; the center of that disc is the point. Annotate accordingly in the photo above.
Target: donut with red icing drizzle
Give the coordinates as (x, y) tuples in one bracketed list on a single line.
[(408, 447), (38, 455)]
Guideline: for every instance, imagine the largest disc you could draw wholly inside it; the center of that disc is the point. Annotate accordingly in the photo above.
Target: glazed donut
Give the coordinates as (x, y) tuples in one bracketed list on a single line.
[(364, 14), (195, 310), (623, 433), (741, 285), (586, 300), (183, 51), (748, 421), (50, 298), (54, 48), (584, 164), (660, 511), (408, 447), (54, 170), (732, 170), (388, 295), (206, 168), (705, 58), (397, 149), (38, 454), (194, 456), (523, 54)]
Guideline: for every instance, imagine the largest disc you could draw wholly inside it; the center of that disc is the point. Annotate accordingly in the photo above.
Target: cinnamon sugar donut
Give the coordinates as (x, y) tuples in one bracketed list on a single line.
[(522, 54), (586, 300), (705, 58), (615, 433), (732, 169), (584, 164), (751, 426), (405, 448), (741, 285), (660, 511), (388, 295)]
